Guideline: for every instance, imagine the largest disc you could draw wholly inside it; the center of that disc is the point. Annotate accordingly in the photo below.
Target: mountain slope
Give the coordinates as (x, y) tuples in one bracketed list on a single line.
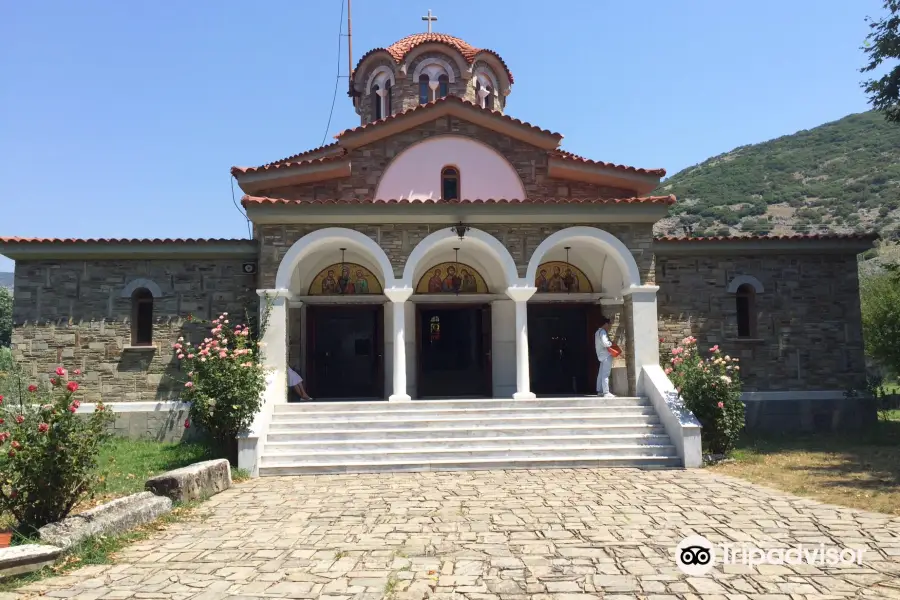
[(6, 280), (840, 176)]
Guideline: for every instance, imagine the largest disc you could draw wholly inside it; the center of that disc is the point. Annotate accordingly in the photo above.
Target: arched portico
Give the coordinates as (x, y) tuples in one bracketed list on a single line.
[(475, 242)]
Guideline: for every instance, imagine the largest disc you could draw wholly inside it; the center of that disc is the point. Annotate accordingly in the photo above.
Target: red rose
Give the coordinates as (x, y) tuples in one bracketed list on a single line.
[(1, 421), (16, 445), (1, 398), (43, 427), (187, 423), (32, 388), (72, 408), (11, 453), (73, 385), (19, 419), (52, 381)]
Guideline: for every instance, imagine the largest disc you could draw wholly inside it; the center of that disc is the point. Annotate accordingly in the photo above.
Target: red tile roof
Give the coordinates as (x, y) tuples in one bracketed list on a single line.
[(668, 200), (294, 157), (291, 163), (446, 100), (789, 236), (576, 158), (35, 240), (399, 49)]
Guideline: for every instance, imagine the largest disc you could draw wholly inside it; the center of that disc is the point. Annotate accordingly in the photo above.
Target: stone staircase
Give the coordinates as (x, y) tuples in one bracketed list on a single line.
[(450, 435)]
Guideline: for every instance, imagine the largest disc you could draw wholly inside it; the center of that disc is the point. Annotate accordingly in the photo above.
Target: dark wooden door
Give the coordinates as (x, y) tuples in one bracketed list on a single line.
[(487, 350), (345, 351), (453, 356), (557, 349)]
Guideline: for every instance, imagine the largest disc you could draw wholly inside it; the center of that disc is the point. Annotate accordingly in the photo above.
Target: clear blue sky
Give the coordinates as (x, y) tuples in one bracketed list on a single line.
[(122, 119)]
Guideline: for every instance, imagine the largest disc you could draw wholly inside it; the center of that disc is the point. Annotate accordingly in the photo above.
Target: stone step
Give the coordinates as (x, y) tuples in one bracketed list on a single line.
[(583, 460), (445, 431), (367, 444), (385, 406), (595, 418), (442, 413), (426, 453)]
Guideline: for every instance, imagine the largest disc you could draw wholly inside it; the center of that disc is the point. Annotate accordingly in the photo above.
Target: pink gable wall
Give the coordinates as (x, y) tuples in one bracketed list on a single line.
[(416, 172)]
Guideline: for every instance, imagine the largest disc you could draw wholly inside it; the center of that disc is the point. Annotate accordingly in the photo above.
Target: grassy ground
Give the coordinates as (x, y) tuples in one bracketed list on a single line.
[(859, 470)]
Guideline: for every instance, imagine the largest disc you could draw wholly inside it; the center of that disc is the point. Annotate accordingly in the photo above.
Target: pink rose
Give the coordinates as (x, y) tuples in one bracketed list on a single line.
[(189, 384), (223, 354), (77, 371), (190, 356), (60, 371), (73, 386), (714, 348), (43, 427), (668, 370), (181, 357), (721, 405), (72, 408), (20, 419)]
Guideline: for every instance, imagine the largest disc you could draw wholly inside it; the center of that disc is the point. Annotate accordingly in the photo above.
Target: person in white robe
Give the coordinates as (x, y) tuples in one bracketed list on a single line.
[(602, 344)]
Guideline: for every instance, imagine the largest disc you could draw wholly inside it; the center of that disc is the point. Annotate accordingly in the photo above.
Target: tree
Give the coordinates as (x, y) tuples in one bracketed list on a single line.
[(880, 300), (881, 45), (6, 307)]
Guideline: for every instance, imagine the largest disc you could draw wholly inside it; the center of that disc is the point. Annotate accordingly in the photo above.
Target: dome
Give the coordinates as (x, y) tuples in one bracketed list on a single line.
[(399, 49)]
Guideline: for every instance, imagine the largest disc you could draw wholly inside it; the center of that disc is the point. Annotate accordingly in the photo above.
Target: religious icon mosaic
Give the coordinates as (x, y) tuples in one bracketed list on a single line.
[(452, 278), (345, 279), (558, 277)]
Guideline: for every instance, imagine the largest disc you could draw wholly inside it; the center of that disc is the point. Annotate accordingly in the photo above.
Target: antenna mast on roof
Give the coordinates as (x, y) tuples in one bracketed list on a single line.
[(350, 91)]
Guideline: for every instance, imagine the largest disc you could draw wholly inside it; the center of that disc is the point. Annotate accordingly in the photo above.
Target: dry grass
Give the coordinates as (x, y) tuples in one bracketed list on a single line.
[(860, 471)]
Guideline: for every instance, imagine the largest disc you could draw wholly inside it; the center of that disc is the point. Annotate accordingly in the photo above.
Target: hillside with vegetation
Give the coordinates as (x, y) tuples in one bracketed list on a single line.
[(842, 176), (6, 280)]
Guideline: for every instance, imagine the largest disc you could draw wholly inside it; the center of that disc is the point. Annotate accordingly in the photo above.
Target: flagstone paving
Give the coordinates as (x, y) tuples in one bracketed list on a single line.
[(552, 534)]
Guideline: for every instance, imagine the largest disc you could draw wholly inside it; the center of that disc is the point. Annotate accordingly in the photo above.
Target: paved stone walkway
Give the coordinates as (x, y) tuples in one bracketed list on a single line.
[(560, 534)]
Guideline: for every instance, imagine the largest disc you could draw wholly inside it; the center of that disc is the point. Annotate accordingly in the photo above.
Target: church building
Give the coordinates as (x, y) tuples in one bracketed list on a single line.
[(443, 249)]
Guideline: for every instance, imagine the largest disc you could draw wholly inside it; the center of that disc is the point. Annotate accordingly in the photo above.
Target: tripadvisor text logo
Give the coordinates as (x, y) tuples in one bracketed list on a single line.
[(696, 555)]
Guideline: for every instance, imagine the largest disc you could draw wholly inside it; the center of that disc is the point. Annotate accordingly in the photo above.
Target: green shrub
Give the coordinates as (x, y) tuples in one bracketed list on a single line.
[(880, 304), (225, 380), (711, 389), (48, 455)]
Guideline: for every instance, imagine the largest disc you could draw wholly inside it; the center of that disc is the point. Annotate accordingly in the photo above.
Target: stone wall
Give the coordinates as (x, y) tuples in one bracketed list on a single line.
[(71, 313), (370, 162), (399, 240), (809, 332)]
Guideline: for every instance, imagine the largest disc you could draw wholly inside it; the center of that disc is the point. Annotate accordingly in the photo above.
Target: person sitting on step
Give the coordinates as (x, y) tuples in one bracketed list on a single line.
[(295, 386)]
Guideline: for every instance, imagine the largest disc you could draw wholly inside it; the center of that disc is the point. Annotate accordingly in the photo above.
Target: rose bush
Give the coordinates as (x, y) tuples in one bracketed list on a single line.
[(711, 389), (225, 380), (48, 455)]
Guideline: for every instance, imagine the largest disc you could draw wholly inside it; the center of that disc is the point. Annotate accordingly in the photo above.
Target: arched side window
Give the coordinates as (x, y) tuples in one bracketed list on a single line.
[(443, 86), (142, 317), (485, 95), (424, 89), (376, 103), (449, 183), (388, 110), (745, 303)]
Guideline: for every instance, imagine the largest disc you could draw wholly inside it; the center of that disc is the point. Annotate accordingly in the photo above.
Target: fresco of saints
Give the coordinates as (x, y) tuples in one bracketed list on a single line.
[(452, 281), (469, 285), (345, 285), (362, 284), (329, 285), (541, 282), (570, 281), (556, 282), (434, 284)]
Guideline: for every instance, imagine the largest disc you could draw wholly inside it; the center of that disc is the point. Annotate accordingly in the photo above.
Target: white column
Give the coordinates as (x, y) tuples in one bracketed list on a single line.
[(643, 329), (398, 298), (520, 296), (274, 340)]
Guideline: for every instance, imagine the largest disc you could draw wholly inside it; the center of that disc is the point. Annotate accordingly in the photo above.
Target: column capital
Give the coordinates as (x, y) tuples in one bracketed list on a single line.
[(520, 293), (641, 293), (398, 294), (274, 293)]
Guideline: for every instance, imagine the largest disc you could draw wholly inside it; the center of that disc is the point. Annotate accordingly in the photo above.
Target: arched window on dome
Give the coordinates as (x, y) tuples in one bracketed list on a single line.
[(449, 183), (387, 99), (443, 86), (485, 95), (376, 103), (424, 89)]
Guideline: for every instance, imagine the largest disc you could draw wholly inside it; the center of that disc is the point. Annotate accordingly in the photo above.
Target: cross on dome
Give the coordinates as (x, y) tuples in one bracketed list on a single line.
[(429, 18)]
